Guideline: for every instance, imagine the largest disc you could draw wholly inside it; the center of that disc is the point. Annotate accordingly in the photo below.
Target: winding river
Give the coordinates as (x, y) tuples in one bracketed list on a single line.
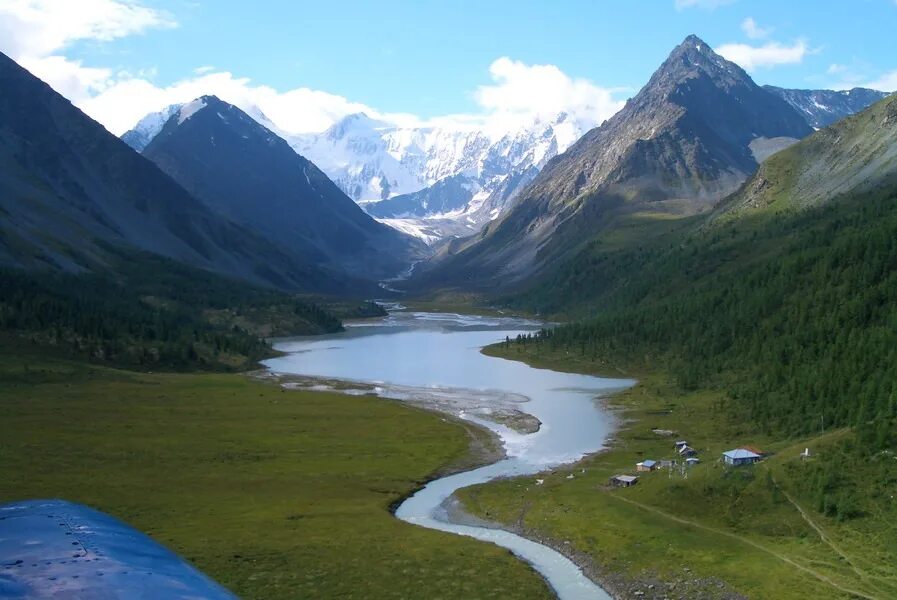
[(434, 359)]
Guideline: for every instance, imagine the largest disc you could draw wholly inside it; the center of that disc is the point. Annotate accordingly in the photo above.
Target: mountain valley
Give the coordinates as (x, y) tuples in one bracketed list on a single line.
[(563, 347)]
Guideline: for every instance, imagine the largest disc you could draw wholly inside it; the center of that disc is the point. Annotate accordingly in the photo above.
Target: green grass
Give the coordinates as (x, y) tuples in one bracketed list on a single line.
[(739, 526), (275, 494)]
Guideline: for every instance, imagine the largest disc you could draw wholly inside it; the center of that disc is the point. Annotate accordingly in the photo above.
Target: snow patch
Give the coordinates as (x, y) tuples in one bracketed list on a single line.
[(415, 228), (190, 109)]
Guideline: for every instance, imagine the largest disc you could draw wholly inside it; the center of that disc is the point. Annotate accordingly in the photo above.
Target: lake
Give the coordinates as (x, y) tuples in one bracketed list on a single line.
[(435, 359)]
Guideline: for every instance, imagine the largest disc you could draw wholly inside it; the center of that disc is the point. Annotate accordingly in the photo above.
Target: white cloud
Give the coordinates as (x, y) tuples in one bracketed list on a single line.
[(523, 90), (886, 83), (751, 29), (519, 93), (837, 69), (41, 27), (34, 32), (68, 77), (299, 110), (771, 54), (705, 4)]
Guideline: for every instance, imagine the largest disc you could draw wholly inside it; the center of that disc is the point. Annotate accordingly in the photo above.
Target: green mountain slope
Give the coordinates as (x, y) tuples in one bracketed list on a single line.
[(792, 310), (858, 153), (772, 324)]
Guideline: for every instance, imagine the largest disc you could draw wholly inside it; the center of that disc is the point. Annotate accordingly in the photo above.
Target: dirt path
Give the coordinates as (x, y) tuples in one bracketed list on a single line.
[(851, 561), (749, 542)]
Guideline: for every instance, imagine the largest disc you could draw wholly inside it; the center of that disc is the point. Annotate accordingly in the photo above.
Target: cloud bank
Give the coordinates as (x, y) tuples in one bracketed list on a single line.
[(36, 33), (771, 54)]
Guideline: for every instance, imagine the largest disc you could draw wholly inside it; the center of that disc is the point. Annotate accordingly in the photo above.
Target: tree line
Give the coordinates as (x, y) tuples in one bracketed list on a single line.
[(794, 315), (148, 313)]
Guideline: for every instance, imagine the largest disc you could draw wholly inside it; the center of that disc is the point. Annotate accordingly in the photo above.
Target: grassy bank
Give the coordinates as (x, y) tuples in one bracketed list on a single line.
[(275, 494), (719, 533)]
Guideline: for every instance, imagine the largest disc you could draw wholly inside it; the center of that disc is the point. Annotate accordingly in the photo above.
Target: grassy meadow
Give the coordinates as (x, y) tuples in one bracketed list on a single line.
[(719, 533), (275, 494)]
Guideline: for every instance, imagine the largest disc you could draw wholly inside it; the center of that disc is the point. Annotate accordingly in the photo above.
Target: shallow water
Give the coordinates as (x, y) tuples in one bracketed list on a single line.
[(438, 354)]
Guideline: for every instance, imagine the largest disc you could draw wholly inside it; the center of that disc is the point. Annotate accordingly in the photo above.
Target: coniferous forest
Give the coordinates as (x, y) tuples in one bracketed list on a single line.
[(153, 313), (793, 315)]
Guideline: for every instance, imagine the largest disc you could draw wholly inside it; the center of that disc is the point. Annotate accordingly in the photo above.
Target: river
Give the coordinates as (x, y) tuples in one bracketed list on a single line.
[(434, 359)]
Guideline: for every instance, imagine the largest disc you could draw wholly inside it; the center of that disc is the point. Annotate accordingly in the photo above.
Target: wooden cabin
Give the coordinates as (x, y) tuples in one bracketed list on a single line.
[(623, 480)]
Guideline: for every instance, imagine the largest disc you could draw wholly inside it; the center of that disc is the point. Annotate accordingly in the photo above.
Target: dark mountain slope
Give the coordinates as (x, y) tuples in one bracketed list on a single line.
[(68, 187), (683, 142), (249, 174)]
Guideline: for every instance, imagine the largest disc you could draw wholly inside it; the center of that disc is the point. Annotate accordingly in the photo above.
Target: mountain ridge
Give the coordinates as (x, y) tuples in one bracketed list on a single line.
[(678, 146), (854, 155), (70, 188), (248, 173), (822, 108)]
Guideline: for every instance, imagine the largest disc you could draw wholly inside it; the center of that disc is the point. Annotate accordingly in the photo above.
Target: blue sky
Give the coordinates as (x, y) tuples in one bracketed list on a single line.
[(428, 58)]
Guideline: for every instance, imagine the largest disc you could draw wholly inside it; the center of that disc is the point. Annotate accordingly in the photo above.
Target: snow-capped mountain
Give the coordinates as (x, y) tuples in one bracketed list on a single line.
[(373, 160), (444, 181), (434, 182), (147, 128), (822, 108), (453, 179)]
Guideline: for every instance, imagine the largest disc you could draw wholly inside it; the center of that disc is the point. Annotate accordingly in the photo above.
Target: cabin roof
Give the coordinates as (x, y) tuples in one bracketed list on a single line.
[(626, 478), (740, 453)]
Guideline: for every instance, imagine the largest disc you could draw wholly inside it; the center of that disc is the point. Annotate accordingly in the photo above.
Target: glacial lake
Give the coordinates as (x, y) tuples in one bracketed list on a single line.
[(434, 358)]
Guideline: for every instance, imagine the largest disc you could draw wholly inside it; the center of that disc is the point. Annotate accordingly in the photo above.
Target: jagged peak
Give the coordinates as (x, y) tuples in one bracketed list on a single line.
[(695, 42), (693, 56), (696, 52)]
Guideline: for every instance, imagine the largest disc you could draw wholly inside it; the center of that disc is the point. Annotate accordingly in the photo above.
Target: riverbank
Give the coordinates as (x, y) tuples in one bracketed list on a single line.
[(455, 404), (704, 532), (274, 493), (484, 445), (434, 358)]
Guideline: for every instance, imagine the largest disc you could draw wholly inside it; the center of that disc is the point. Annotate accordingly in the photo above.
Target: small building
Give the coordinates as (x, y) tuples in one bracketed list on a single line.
[(692, 461), (740, 456), (666, 464), (646, 465), (686, 451), (623, 480), (681, 443)]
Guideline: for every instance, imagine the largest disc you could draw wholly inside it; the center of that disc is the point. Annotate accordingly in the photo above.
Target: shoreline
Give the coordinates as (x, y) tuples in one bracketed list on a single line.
[(485, 446), (617, 584), (479, 454), (444, 401)]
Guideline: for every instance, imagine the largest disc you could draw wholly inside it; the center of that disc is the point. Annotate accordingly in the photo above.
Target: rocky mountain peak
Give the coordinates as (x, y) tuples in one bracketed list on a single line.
[(694, 59)]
